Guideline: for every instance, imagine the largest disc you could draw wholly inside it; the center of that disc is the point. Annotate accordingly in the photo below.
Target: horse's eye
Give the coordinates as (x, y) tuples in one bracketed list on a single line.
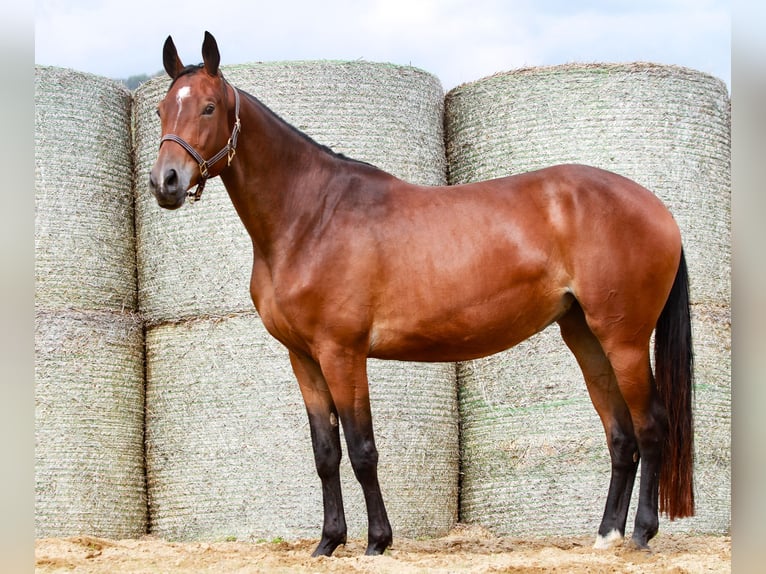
[(157, 111), (209, 109)]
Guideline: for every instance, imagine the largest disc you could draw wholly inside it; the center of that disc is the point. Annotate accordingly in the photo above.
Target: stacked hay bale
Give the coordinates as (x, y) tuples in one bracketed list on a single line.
[(228, 444), (534, 458), (89, 473)]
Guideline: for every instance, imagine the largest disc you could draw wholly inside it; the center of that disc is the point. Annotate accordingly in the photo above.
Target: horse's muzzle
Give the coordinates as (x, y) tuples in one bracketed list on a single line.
[(168, 186)]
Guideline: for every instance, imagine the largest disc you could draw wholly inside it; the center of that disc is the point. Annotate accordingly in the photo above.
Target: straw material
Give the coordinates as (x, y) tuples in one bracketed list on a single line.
[(196, 261), (229, 448), (533, 451), (533, 454), (663, 126), (89, 418), (84, 239)]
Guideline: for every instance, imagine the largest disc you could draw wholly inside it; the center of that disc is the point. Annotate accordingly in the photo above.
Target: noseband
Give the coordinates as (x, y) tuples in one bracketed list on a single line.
[(229, 150)]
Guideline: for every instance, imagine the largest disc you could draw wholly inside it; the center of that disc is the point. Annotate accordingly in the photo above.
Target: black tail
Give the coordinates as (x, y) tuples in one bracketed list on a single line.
[(674, 376)]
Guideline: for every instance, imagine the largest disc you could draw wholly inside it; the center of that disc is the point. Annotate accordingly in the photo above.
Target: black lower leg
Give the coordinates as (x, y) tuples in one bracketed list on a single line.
[(623, 450), (364, 460), (647, 516), (650, 441), (325, 438)]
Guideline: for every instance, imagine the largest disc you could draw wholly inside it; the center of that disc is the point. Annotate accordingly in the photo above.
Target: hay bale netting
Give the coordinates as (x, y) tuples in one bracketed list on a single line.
[(229, 449), (534, 460), (667, 128), (196, 261), (89, 417), (84, 241)]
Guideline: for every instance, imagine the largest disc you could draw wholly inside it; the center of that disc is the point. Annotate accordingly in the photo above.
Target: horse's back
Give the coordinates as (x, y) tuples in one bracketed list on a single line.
[(483, 266)]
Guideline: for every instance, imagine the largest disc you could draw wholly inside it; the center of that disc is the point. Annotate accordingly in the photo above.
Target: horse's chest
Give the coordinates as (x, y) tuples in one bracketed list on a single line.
[(276, 321)]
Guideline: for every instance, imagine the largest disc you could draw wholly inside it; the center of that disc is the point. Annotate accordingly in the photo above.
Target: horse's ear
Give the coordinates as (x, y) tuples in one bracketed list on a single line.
[(170, 59), (210, 54)]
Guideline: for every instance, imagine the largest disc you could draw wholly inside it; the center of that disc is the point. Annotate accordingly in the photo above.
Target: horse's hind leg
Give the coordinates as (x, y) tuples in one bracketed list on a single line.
[(634, 376), (626, 344), (615, 416), (325, 438)]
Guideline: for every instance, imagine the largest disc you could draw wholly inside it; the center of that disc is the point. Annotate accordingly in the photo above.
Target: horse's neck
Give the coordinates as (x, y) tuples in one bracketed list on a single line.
[(275, 176)]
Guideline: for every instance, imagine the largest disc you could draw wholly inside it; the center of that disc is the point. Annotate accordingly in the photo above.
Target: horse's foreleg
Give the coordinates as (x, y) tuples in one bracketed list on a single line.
[(325, 438), (608, 402), (347, 378)]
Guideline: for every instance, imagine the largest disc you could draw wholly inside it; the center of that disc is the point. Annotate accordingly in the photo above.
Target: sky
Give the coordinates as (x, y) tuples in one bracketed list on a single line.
[(456, 40)]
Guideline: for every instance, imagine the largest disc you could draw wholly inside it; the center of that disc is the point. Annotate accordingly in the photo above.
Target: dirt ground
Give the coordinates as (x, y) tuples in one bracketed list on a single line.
[(465, 549)]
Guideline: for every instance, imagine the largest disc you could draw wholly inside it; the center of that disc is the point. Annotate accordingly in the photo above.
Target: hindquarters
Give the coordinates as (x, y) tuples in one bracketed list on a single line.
[(629, 278), (647, 416)]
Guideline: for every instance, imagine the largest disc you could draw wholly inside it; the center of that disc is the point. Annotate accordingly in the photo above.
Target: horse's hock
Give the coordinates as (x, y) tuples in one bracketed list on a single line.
[(227, 445), (89, 380), (531, 443)]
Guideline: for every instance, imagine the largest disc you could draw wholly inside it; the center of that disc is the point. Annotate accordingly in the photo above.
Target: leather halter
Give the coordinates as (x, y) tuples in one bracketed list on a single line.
[(229, 150)]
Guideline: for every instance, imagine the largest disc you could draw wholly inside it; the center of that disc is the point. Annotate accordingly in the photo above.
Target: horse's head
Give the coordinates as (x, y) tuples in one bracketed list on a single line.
[(200, 124)]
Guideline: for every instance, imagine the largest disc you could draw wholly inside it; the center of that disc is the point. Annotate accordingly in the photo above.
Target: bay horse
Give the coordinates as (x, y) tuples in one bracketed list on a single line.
[(350, 262)]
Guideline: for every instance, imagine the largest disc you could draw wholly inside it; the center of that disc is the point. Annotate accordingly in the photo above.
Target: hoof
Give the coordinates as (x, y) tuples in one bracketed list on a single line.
[(375, 550), (613, 538), (379, 547), (327, 547), (639, 544)]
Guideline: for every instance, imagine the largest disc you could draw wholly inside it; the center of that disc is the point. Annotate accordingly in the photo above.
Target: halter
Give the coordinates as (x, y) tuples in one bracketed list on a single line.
[(229, 150)]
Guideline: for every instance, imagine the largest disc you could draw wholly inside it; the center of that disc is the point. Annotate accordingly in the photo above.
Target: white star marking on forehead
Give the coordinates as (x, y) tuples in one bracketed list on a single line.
[(181, 95)]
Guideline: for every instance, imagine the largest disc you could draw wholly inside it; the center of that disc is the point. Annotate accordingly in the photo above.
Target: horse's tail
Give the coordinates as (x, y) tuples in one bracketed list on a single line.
[(674, 366)]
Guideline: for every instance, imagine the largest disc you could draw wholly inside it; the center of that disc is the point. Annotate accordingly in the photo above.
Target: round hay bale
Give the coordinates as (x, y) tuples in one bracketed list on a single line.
[(197, 260), (89, 423), (666, 127), (533, 452), (84, 241), (229, 449)]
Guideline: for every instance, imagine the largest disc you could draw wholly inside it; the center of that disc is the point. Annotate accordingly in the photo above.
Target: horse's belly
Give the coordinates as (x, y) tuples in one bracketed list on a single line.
[(465, 333)]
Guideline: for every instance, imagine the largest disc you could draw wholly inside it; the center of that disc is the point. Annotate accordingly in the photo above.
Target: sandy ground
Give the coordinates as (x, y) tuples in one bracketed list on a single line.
[(465, 549)]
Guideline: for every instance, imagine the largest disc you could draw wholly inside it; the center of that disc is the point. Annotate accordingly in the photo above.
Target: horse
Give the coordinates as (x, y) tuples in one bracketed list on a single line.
[(447, 273)]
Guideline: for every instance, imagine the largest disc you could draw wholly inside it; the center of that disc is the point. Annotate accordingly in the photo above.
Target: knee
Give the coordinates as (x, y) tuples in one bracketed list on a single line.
[(364, 456), (327, 456)]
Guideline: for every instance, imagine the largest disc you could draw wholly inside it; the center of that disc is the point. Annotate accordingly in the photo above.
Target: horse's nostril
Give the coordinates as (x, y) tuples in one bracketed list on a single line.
[(171, 178)]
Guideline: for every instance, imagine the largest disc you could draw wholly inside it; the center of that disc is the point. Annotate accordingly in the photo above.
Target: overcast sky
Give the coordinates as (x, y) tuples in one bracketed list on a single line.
[(456, 40)]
